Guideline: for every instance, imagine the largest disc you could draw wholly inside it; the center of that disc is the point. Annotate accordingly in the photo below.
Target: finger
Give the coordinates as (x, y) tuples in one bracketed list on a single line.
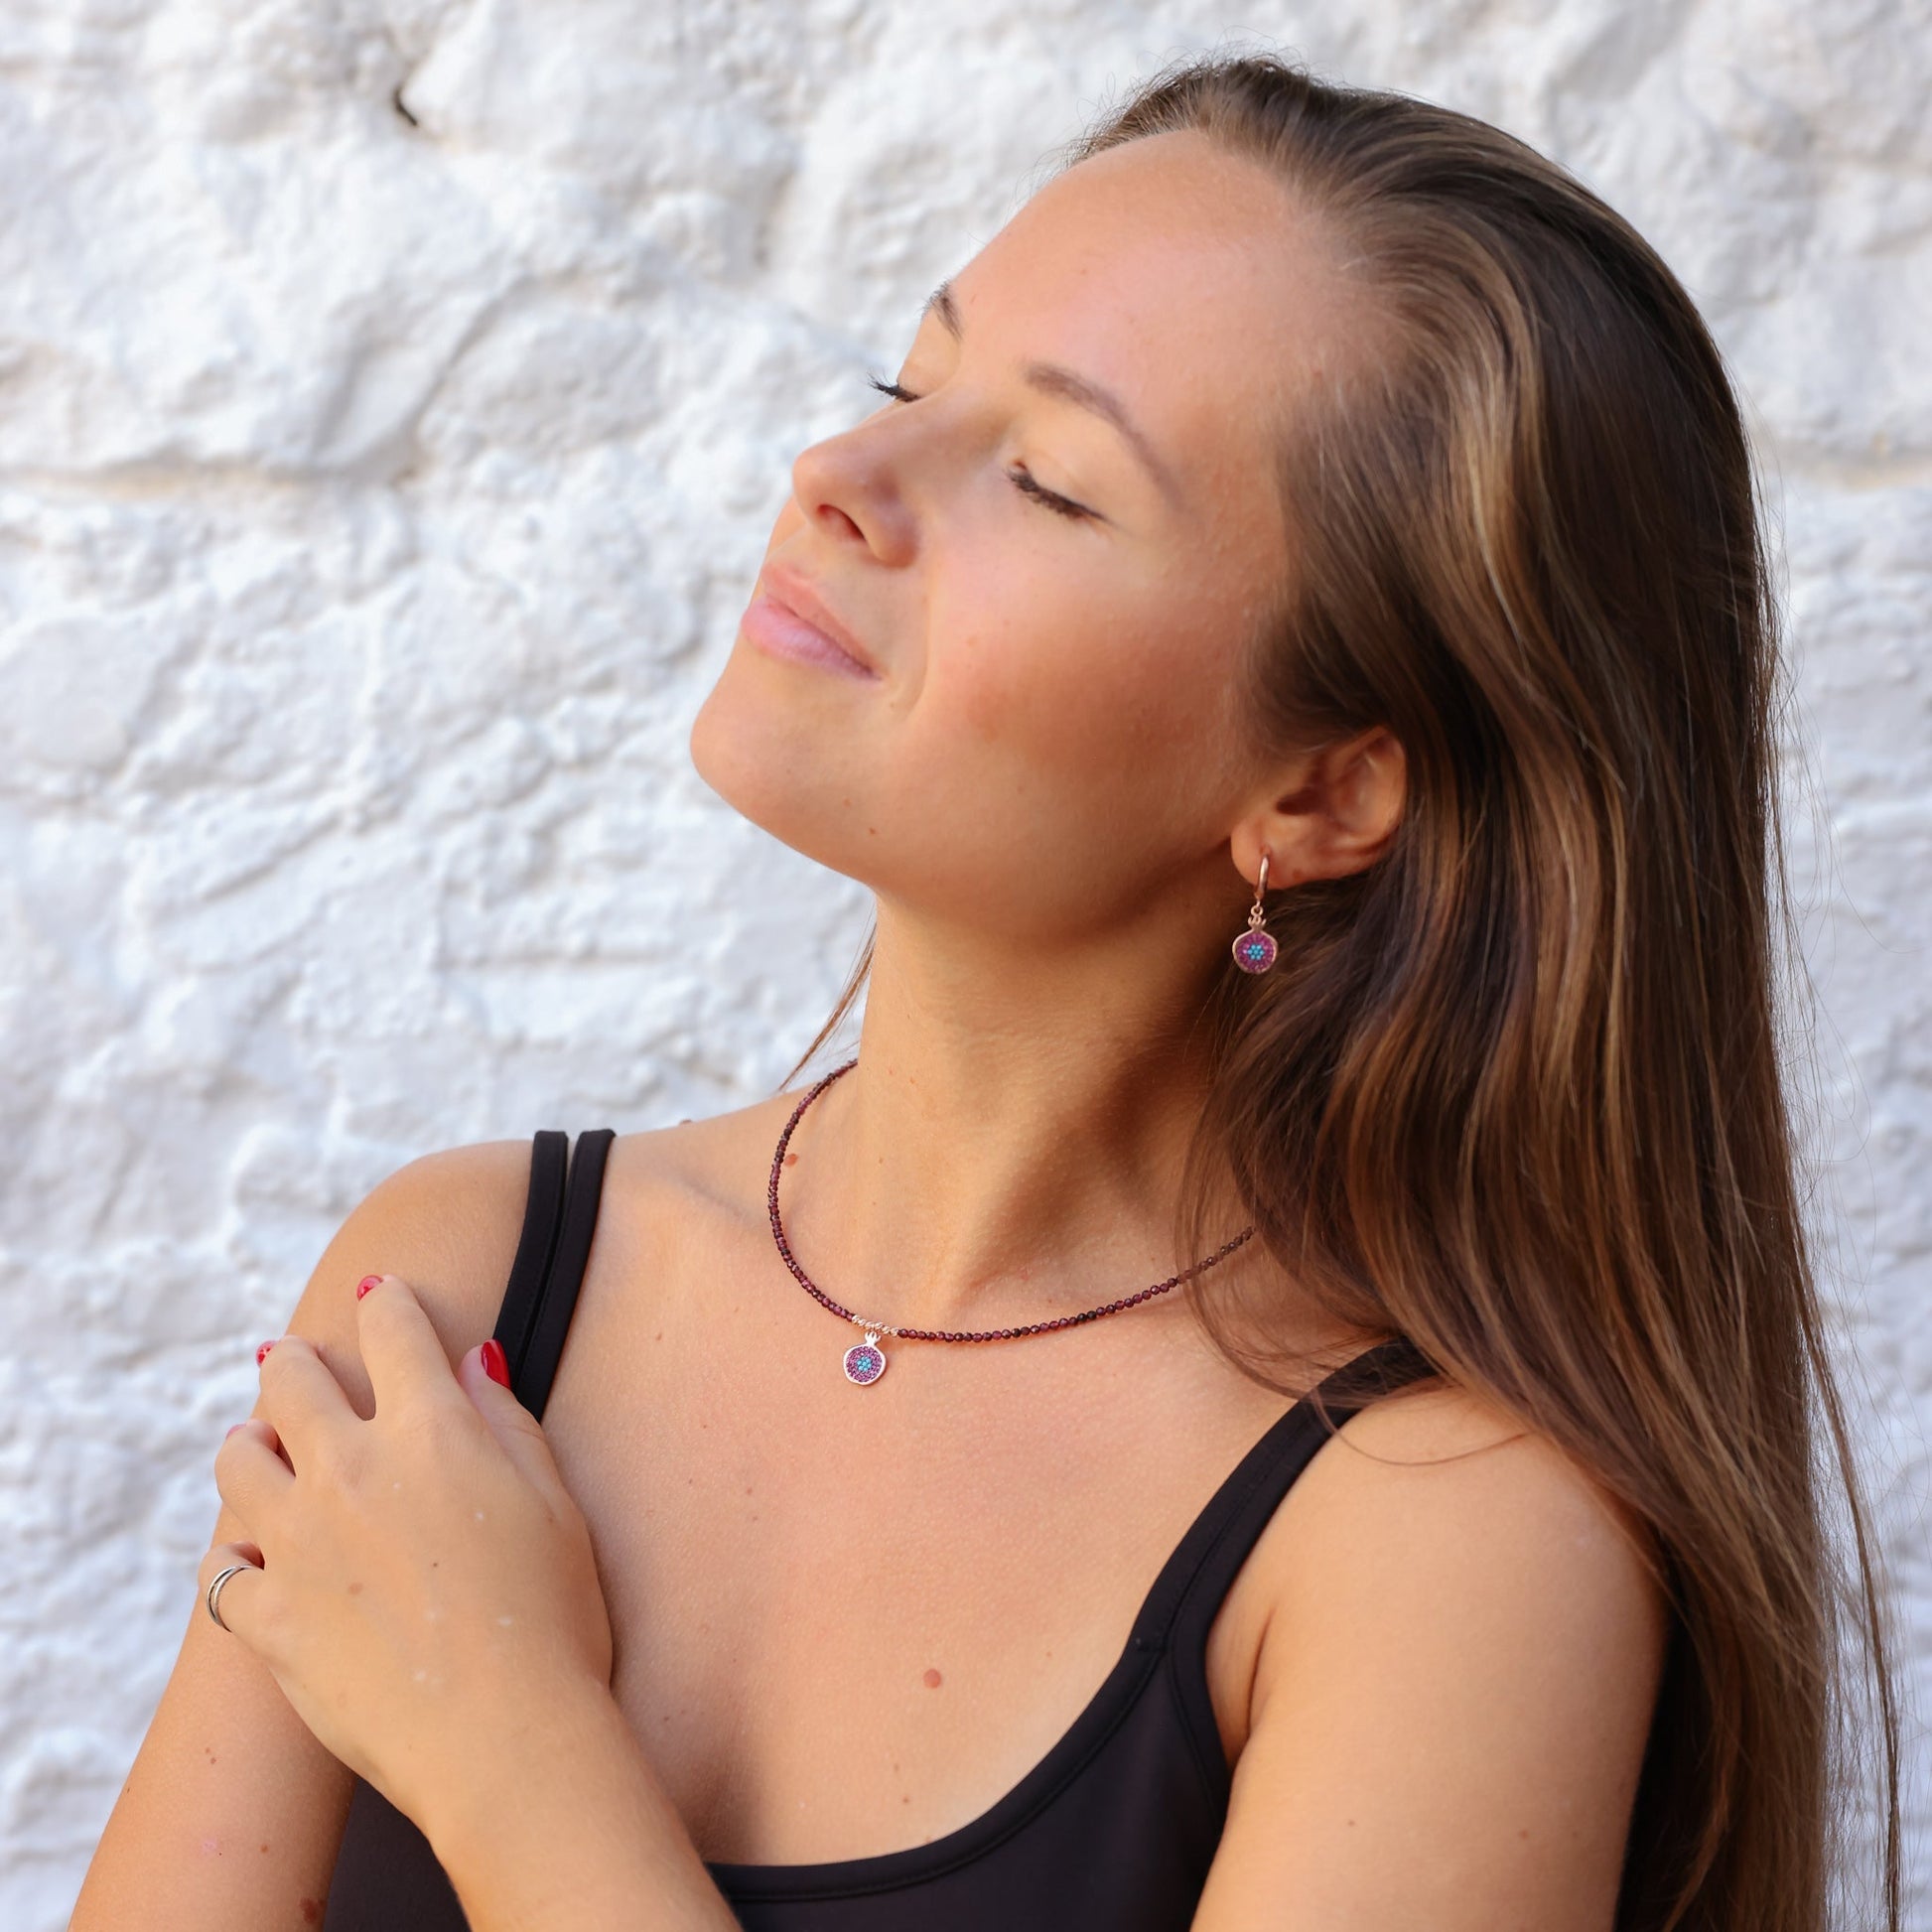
[(251, 1476), (237, 1605), (515, 1428), (300, 1399), (264, 1433), (408, 1364)]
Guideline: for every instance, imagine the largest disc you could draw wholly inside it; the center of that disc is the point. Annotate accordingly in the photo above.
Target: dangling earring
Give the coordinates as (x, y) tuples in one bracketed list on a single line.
[(1255, 950)]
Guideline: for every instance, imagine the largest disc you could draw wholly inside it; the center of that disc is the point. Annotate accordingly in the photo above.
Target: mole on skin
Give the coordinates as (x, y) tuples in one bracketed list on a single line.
[(932, 1679)]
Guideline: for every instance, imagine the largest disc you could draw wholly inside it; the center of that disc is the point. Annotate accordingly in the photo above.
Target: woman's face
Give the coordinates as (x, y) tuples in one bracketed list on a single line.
[(1043, 736)]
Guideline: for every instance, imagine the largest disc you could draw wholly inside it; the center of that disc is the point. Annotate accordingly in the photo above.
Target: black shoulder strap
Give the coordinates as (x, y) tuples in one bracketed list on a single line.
[(556, 1297), (1180, 1611), (543, 1214), (1187, 1597)]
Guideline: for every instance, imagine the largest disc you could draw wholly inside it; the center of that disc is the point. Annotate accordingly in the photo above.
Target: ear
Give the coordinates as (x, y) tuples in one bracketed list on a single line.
[(1331, 813)]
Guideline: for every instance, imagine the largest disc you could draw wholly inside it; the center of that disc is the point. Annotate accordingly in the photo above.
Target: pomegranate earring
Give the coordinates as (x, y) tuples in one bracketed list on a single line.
[(1255, 950)]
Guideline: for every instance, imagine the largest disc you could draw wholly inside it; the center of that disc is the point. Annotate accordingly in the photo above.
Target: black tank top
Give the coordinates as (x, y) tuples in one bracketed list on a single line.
[(1112, 1831)]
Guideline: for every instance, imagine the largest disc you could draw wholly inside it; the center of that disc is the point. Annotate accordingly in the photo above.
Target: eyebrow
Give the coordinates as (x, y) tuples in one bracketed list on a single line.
[(1055, 379)]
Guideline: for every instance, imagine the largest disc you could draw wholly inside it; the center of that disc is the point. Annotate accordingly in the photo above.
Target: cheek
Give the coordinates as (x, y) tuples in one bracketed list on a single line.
[(993, 682), (1102, 689)]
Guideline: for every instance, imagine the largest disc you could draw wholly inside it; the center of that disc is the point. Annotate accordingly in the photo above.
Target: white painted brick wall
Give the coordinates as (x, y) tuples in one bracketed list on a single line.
[(377, 497)]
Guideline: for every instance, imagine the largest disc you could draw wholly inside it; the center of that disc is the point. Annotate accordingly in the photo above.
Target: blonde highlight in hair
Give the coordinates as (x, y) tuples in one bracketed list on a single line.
[(1516, 1091)]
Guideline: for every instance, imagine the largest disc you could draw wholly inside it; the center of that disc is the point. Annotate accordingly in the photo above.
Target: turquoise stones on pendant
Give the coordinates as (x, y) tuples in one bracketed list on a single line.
[(865, 1361), (1254, 952)]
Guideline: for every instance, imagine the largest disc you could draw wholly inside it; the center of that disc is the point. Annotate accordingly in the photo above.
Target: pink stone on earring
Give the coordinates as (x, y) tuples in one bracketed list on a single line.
[(1255, 950)]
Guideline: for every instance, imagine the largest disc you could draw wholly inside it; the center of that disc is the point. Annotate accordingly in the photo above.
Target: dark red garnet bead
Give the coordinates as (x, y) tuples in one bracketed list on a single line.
[(862, 1359)]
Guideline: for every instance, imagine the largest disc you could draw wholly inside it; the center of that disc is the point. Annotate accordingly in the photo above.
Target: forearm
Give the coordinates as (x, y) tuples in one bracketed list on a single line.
[(577, 1835), (225, 1768)]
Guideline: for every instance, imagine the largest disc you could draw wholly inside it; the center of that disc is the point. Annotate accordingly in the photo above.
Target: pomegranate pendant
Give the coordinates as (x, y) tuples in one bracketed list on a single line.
[(1254, 950), (865, 1361)]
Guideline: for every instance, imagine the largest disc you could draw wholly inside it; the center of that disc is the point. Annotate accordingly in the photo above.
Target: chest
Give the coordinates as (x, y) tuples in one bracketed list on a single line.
[(849, 1619)]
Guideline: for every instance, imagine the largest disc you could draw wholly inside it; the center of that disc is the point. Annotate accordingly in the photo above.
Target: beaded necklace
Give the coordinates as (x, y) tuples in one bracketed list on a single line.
[(865, 1362)]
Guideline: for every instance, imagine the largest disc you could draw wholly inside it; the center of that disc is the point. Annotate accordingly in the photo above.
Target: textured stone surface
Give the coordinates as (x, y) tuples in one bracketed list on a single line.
[(394, 397)]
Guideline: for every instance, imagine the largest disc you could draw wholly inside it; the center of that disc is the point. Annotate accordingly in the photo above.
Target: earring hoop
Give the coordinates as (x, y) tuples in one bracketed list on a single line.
[(1254, 949)]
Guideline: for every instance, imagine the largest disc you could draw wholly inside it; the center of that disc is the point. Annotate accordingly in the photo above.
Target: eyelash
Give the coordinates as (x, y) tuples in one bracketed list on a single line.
[(1022, 477)]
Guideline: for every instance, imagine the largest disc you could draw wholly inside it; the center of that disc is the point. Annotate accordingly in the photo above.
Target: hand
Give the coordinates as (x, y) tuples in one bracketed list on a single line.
[(426, 1591)]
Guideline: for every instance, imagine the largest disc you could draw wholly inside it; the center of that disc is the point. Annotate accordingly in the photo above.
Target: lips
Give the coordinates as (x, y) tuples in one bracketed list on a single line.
[(791, 592)]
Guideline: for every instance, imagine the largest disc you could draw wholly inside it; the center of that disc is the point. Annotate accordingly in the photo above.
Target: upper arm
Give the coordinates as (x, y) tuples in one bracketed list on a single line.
[(1453, 1691), (230, 1819)]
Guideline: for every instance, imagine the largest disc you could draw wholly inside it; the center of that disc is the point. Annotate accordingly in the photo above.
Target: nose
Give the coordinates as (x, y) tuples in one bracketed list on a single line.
[(849, 488)]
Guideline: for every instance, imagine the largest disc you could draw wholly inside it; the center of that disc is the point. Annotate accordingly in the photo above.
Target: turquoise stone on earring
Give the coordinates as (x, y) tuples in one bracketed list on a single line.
[(865, 1361), (1254, 952)]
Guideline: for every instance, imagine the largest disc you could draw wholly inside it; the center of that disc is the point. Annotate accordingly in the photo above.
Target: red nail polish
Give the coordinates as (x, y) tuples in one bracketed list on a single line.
[(366, 1284), (261, 1352), (495, 1364)]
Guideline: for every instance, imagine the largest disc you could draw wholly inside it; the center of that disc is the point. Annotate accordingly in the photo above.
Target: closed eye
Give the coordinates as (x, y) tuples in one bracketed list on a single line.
[(1022, 477)]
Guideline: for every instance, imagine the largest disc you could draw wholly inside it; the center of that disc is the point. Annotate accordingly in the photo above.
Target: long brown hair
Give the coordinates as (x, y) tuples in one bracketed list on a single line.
[(1516, 1091)]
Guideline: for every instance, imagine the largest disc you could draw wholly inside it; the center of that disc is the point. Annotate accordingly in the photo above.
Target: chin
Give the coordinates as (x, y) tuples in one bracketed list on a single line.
[(769, 762)]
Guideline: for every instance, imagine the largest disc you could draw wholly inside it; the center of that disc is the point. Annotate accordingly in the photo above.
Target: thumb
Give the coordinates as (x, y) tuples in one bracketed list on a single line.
[(484, 1378)]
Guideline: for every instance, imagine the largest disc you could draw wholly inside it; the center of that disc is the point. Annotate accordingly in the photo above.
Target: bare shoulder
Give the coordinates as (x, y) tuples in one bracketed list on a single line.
[(1464, 1636), (1441, 1474), (447, 1222), (695, 1175)]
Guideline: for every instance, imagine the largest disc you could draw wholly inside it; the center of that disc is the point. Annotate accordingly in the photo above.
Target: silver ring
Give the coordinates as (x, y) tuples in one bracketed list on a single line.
[(214, 1589)]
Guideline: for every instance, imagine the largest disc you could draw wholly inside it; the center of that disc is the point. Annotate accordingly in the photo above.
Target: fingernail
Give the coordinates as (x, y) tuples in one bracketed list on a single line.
[(366, 1284), (261, 1352), (495, 1364), (231, 1430)]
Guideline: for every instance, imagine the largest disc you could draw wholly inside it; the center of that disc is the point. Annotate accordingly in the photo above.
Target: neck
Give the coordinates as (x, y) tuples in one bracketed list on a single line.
[(1009, 1147)]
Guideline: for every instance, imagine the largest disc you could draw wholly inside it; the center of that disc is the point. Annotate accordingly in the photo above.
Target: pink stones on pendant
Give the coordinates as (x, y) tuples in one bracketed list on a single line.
[(865, 1362), (1254, 952)]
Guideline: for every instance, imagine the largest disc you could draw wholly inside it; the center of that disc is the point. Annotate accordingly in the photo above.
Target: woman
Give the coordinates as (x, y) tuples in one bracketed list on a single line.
[(1303, 480)]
